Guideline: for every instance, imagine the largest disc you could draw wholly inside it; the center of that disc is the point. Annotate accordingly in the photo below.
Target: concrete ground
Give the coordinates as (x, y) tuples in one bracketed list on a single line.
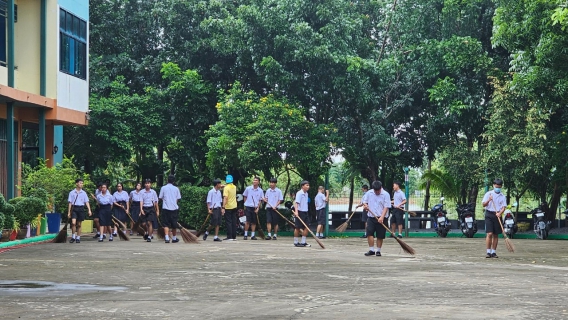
[(447, 279)]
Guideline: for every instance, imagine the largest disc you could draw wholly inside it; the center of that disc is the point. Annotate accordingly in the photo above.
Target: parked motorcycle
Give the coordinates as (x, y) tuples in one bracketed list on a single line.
[(541, 226), (441, 223), (241, 220), (466, 217), (509, 223)]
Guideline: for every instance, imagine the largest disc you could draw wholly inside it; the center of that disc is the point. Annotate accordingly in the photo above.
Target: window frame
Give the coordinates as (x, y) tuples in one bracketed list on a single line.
[(75, 37)]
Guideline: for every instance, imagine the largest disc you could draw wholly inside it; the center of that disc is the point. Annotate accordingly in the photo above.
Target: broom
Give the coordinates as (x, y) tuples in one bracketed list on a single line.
[(408, 249), (200, 231), (283, 217), (187, 236), (121, 233), (313, 235), (258, 227), (161, 230), (508, 242), (62, 235), (344, 225), (138, 228)]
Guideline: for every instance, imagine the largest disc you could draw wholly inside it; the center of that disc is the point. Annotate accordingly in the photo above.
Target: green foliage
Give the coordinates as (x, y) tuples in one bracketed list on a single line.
[(27, 209), (193, 207), (57, 181), (2, 220), (9, 221), (442, 182)]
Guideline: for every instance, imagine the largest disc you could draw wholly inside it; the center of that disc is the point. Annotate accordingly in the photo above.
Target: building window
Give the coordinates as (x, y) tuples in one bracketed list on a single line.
[(73, 45), (4, 30)]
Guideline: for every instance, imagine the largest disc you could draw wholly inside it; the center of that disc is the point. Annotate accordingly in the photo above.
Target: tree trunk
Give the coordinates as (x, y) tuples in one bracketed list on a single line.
[(427, 194), (554, 202), (287, 183), (351, 193), (160, 177), (473, 192)]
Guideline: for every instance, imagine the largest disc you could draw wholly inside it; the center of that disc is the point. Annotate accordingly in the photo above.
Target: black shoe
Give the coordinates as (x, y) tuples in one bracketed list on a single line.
[(98, 235), (167, 241), (78, 241), (104, 237), (130, 232), (306, 244), (370, 253), (488, 255), (399, 236), (494, 255), (145, 237), (268, 238), (378, 254), (245, 238), (71, 240), (322, 237), (110, 239), (253, 238), (273, 237), (364, 236), (205, 237), (217, 239), (115, 234), (299, 244), (175, 240), (149, 240), (100, 240), (227, 239)]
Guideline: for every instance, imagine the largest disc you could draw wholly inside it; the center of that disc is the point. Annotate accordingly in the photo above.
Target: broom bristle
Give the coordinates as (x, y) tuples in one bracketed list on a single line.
[(342, 227), (509, 245), (61, 236), (408, 249), (187, 236), (200, 231), (120, 224), (412, 213), (311, 233), (161, 233), (122, 235)]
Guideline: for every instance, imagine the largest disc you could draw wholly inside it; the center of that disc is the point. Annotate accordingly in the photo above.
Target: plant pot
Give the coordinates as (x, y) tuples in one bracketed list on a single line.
[(5, 235), (22, 233)]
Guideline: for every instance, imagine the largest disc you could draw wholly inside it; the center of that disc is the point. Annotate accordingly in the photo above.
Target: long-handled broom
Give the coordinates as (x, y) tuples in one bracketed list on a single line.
[(202, 229), (187, 236), (138, 228), (342, 227), (408, 249), (161, 230), (258, 227), (292, 224), (119, 225), (508, 242), (62, 235), (313, 235)]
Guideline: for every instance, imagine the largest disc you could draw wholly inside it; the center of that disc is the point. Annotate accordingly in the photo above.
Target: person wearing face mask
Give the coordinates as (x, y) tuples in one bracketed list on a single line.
[(494, 203)]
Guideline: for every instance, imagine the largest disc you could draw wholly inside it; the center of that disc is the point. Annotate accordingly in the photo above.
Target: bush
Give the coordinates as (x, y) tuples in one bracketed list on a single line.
[(192, 206), (27, 208), (2, 219), (57, 181), (9, 221)]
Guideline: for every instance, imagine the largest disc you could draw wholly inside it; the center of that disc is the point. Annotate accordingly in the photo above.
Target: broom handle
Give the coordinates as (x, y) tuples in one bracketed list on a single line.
[(302, 221), (374, 215), (283, 217), (352, 213)]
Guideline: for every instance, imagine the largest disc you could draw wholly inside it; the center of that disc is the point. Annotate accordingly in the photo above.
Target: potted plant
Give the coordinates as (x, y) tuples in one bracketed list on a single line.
[(26, 210)]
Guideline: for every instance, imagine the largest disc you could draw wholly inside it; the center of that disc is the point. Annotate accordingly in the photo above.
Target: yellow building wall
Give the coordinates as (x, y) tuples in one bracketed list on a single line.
[(52, 48), (27, 46)]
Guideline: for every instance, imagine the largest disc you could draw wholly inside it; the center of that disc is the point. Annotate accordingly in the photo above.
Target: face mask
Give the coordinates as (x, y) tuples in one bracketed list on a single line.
[(497, 190)]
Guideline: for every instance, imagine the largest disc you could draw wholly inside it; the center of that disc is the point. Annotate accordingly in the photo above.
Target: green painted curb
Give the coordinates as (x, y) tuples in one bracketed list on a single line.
[(42, 238), (357, 234)]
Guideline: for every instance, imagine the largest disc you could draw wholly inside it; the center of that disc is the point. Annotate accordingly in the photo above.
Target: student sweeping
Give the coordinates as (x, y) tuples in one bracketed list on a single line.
[(170, 195), (105, 201), (77, 200), (377, 203), (214, 208), (150, 209), (301, 212)]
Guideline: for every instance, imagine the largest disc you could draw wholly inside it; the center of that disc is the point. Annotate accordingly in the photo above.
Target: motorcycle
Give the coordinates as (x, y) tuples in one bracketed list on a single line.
[(466, 216), (441, 223), (541, 226), (509, 223), (241, 220)]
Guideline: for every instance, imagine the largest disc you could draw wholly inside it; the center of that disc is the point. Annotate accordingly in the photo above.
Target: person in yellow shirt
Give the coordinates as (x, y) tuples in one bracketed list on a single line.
[(230, 206)]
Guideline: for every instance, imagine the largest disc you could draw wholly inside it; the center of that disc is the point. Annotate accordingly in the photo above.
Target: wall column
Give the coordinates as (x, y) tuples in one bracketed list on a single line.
[(10, 150)]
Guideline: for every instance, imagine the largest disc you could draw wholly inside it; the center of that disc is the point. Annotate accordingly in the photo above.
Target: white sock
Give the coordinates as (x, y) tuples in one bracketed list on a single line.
[(295, 240), (492, 251), (371, 249), (377, 249), (78, 237), (275, 235), (73, 236), (110, 236), (174, 238), (101, 236), (98, 233), (207, 232), (488, 250), (303, 239), (317, 234), (167, 237), (269, 234), (215, 237), (252, 234), (246, 233)]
